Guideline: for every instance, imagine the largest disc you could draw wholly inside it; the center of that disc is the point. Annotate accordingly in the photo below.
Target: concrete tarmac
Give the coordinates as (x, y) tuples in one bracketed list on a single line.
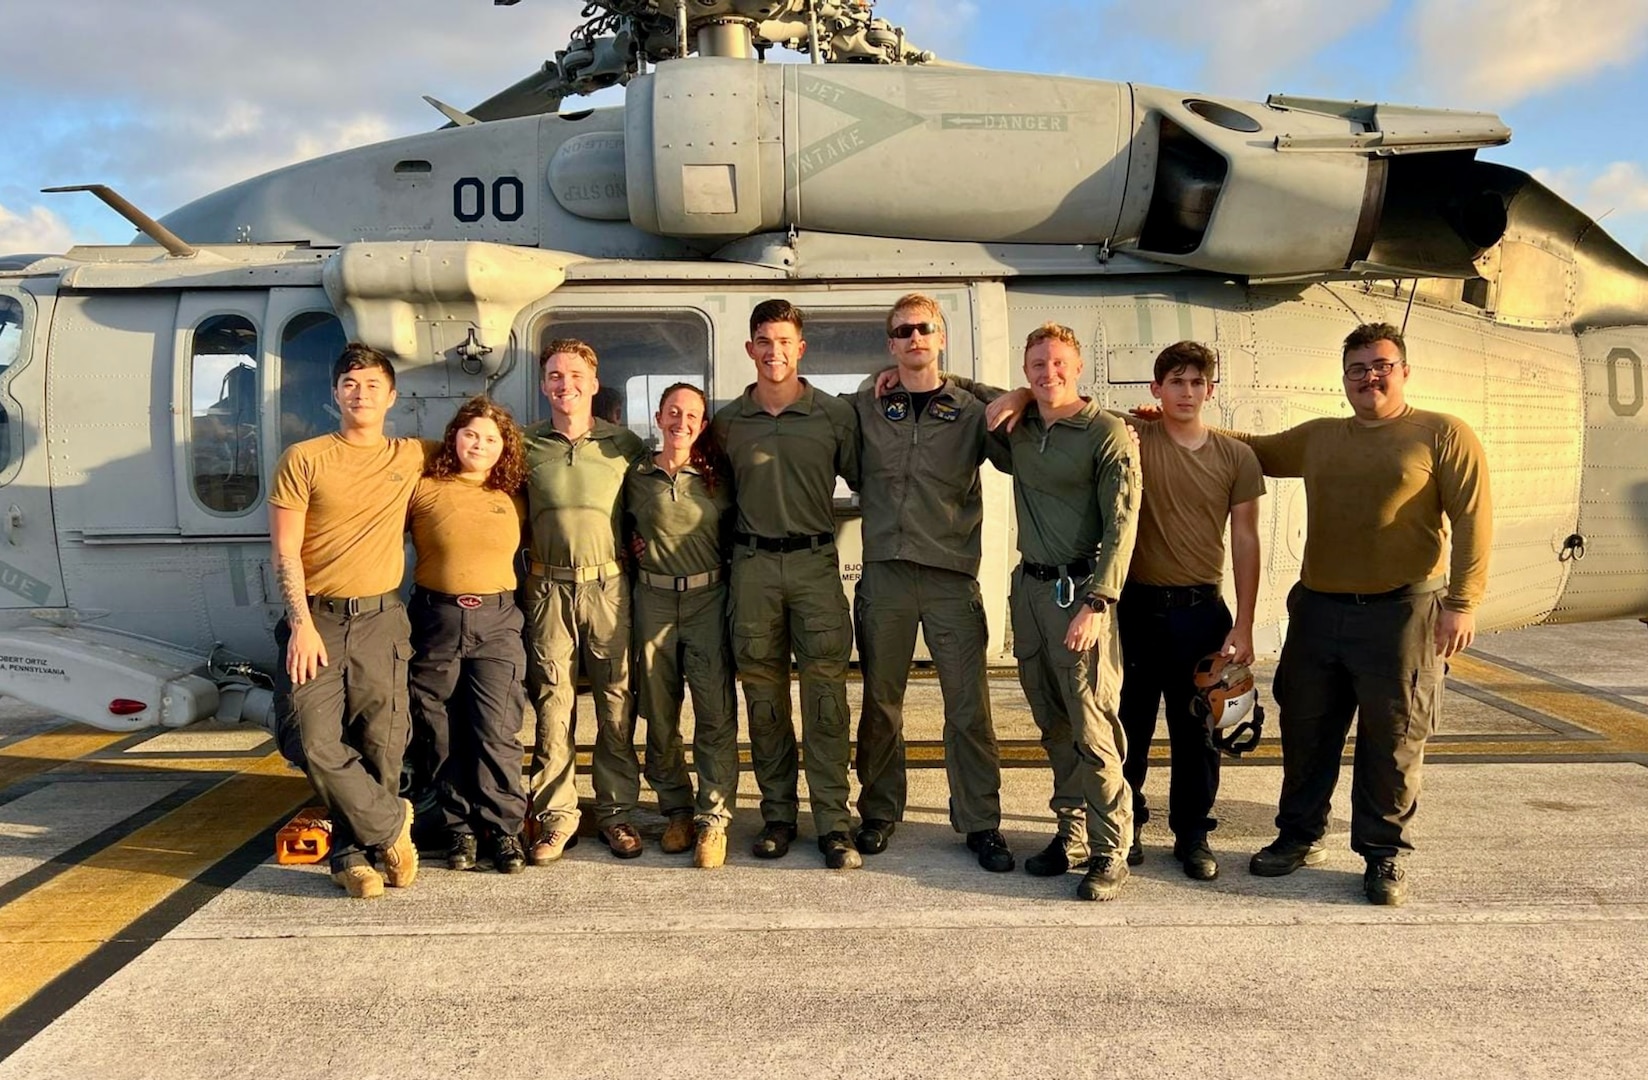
[(1521, 952)]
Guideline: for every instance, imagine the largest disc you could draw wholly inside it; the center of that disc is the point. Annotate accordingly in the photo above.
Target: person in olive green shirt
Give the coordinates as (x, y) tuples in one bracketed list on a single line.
[(1381, 604), (923, 509), (679, 502), (577, 605), (788, 443), (1076, 490)]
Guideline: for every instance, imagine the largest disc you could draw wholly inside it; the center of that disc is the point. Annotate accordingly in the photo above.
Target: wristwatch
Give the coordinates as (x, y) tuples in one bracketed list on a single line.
[(1096, 602)]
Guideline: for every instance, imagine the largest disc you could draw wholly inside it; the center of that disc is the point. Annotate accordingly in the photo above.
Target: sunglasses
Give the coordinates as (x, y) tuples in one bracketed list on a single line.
[(911, 329)]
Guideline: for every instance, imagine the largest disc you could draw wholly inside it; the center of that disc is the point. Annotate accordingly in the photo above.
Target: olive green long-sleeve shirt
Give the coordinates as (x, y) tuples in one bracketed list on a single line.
[(921, 497), (1076, 489), (681, 519), (575, 492), (784, 467), (1376, 496)]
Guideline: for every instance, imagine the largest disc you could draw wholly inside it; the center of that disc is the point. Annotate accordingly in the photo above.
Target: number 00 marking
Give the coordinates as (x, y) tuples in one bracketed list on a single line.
[(469, 202), (1625, 382)]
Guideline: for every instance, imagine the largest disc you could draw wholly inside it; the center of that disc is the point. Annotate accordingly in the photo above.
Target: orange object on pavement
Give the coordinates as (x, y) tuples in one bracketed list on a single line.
[(307, 838)]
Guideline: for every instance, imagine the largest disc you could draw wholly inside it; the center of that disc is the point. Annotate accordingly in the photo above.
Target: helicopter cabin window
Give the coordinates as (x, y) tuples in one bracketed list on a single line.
[(309, 345), (11, 347), (223, 414), (639, 353)]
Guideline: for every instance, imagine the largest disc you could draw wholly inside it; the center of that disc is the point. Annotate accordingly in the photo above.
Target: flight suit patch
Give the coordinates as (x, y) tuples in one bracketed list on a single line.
[(897, 406), (943, 410)]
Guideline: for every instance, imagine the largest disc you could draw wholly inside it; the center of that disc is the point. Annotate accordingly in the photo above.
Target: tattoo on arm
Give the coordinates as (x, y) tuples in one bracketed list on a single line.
[(289, 572)]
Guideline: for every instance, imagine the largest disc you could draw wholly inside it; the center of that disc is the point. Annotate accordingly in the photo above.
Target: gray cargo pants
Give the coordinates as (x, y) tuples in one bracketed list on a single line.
[(353, 719), (568, 621), (681, 646), (794, 600), (1075, 700), (893, 600)]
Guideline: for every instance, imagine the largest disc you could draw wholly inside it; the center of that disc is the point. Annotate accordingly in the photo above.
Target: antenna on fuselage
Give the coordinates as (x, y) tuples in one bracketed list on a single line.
[(148, 226)]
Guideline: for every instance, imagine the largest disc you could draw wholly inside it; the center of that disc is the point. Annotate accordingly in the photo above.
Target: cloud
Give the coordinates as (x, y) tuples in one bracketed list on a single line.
[(36, 229), (1620, 187), (1489, 54), (172, 99), (944, 27), (1243, 46)]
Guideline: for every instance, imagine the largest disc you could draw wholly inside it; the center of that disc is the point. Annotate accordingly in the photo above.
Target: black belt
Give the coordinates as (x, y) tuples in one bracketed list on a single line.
[(783, 543), (468, 601), (1170, 597), (1075, 571), (355, 605), (1403, 592)]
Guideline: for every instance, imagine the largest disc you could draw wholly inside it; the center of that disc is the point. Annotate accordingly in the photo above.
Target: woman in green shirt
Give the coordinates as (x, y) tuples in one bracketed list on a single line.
[(677, 502)]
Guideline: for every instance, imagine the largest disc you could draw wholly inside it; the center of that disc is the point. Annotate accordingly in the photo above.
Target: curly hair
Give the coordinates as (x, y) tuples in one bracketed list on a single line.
[(706, 456), (1372, 334), (508, 473), (1052, 331)]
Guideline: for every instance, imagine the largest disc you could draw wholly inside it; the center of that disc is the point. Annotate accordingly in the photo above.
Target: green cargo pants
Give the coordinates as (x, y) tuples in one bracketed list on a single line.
[(566, 622), (784, 601), (893, 600), (1074, 698), (680, 646)]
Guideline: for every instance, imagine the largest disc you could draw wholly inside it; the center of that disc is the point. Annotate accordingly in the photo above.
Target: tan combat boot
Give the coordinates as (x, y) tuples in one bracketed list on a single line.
[(360, 882), (400, 857), (678, 834), (711, 849), (551, 846)]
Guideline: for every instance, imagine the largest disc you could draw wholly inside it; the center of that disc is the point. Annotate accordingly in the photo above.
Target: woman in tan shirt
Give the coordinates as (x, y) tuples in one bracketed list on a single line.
[(465, 676)]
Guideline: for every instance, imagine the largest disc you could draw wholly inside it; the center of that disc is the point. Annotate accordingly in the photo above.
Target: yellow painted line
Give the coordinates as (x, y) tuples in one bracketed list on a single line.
[(42, 753), (53, 927), (1626, 729)]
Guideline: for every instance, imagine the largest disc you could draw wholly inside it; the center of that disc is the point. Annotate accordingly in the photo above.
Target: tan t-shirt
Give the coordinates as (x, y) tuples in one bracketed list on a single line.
[(1188, 495), (1381, 500), (466, 537), (354, 503)]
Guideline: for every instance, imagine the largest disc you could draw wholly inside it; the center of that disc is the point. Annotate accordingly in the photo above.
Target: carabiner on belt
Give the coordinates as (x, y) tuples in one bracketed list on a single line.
[(1064, 591)]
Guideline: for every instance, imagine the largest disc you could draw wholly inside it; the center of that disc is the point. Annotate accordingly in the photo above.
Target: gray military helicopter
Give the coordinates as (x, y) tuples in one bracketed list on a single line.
[(149, 389)]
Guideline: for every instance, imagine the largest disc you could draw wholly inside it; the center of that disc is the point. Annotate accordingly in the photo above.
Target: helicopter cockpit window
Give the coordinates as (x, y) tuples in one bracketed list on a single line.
[(640, 352), (11, 347), (309, 345), (223, 411), (843, 349)]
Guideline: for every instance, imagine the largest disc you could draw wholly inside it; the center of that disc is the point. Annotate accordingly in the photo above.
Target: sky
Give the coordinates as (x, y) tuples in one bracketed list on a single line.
[(167, 100)]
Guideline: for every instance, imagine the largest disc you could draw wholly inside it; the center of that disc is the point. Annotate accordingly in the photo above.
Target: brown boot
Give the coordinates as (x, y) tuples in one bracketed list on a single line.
[(711, 849), (678, 834), (360, 881), (622, 838), (400, 856)]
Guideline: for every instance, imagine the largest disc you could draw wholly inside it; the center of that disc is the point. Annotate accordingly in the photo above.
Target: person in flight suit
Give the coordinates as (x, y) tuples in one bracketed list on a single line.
[(1380, 605), (788, 443), (679, 502), (1171, 614), (1076, 491), (337, 514), (577, 601), (923, 510), (466, 520)]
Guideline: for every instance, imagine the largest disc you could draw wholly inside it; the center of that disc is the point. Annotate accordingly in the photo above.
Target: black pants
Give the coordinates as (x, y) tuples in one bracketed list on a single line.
[(353, 721), (468, 703), (1377, 662), (1164, 632)]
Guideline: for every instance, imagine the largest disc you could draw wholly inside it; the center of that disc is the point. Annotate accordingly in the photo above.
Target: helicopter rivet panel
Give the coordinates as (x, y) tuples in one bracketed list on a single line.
[(586, 176)]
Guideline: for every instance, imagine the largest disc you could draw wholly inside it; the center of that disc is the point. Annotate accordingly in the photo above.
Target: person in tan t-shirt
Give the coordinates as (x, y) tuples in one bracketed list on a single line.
[(1381, 603), (466, 519), (1171, 614), (337, 513)]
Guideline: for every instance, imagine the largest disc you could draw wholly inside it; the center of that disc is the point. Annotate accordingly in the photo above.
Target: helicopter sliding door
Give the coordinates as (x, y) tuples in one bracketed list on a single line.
[(30, 573)]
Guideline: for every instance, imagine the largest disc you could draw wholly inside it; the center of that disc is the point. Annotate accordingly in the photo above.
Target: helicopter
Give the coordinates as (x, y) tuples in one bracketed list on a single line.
[(148, 389)]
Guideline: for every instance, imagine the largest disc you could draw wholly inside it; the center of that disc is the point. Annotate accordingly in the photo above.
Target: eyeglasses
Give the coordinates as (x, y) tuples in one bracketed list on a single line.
[(911, 329), (1381, 368)]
